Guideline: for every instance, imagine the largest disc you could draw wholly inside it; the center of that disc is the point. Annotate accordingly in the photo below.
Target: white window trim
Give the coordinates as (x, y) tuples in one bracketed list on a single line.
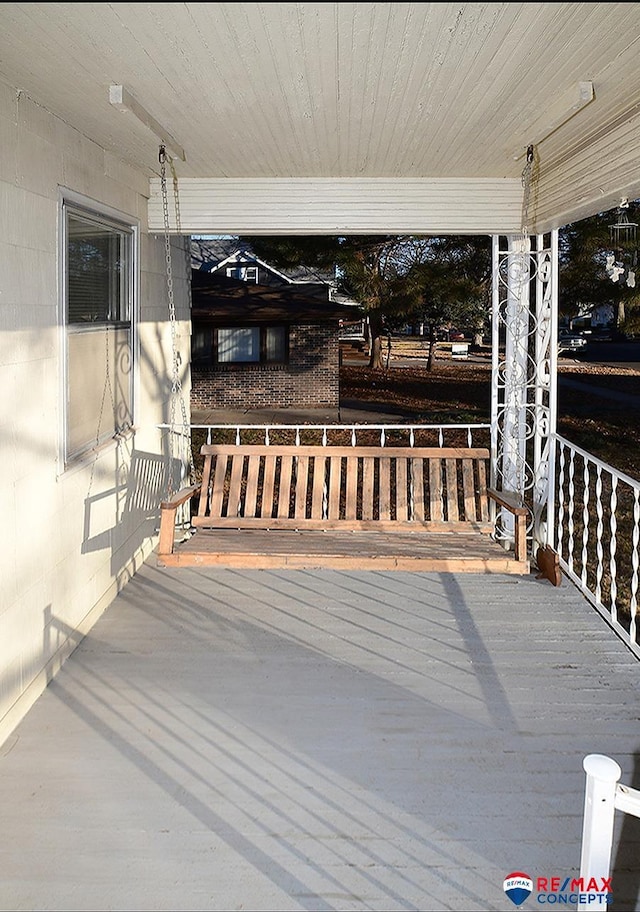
[(93, 207)]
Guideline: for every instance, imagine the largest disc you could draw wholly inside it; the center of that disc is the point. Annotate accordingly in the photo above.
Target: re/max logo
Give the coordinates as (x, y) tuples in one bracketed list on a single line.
[(574, 885)]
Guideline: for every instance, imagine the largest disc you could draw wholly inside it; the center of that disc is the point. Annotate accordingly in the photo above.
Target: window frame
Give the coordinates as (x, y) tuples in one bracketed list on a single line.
[(262, 361), (206, 354), (114, 326), (242, 273)]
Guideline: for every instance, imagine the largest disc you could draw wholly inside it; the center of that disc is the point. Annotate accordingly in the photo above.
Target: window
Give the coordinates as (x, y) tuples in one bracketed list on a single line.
[(98, 257), (237, 345), (244, 273), (251, 344), (240, 345), (201, 346)]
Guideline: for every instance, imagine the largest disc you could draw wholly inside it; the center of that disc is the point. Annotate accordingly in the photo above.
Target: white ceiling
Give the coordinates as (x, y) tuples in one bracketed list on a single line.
[(349, 90)]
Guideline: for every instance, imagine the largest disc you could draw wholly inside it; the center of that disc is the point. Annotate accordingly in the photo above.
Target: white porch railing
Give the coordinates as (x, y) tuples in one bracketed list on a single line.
[(604, 795), (597, 534), (399, 434)]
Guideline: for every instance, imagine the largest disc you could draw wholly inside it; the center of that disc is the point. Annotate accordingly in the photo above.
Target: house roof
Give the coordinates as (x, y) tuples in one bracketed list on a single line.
[(446, 95), (220, 300), (210, 254)]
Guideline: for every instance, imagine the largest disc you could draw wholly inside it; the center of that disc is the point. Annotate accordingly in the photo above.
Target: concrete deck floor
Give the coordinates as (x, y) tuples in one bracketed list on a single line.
[(272, 740)]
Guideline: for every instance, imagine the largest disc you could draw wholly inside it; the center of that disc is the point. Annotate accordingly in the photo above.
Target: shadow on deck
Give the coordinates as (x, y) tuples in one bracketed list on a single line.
[(318, 740)]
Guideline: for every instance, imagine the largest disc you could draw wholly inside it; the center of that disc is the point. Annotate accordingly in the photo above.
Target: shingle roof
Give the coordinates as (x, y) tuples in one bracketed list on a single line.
[(218, 299), (207, 253)]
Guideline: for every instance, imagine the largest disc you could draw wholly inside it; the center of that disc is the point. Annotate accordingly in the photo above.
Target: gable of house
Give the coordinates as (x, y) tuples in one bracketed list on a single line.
[(238, 261)]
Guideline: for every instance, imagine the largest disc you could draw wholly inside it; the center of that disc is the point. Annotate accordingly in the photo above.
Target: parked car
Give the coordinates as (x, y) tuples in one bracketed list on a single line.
[(571, 341), (456, 336)]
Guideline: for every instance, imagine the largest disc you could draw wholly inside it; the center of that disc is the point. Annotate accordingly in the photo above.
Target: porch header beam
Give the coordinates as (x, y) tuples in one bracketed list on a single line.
[(307, 206)]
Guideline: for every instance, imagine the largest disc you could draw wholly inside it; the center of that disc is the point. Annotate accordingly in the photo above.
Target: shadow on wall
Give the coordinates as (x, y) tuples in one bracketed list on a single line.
[(129, 512)]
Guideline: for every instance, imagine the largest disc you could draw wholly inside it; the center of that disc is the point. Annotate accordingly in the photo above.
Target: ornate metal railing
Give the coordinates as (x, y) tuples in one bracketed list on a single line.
[(597, 535), (524, 366)]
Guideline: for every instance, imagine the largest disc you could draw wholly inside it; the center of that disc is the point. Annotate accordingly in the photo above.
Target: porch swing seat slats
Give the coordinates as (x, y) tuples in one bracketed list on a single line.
[(387, 508)]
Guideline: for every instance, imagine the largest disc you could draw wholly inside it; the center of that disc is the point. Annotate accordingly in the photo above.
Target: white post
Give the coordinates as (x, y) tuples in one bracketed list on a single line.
[(603, 774), (510, 374), (516, 364), (553, 393), (545, 402), (496, 401)]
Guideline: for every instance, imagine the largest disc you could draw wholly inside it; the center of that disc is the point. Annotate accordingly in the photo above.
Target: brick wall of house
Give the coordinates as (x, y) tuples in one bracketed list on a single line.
[(309, 380)]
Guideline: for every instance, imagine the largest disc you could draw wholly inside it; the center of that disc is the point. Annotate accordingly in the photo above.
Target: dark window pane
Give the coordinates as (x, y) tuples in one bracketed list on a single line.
[(275, 345), (97, 275)]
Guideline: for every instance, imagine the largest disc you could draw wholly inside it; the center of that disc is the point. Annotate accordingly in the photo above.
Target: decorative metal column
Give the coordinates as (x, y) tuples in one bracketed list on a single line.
[(546, 389), (524, 351)]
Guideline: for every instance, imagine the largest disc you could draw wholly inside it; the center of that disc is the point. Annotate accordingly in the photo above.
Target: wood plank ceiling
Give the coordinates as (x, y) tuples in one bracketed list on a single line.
[(335, 91)]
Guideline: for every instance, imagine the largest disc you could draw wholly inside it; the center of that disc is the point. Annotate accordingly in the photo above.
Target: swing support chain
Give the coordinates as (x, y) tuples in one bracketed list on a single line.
[(176, 383)]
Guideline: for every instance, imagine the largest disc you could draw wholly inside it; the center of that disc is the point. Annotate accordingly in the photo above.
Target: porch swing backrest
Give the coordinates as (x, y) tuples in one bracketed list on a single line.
[(360, 488)]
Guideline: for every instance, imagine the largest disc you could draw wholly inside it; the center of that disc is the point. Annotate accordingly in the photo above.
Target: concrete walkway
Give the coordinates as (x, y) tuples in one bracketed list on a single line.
[(271, 740), (351, 412)]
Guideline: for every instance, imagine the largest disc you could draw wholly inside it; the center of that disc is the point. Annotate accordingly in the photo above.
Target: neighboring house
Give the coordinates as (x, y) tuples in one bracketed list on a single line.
[(259, 346), (228, 257), (602, 316), (235, 260)]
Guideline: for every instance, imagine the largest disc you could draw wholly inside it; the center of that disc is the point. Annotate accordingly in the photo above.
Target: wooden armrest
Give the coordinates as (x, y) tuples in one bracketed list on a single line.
[(180, 497), (168, 510), (509, 500), (513, 503)]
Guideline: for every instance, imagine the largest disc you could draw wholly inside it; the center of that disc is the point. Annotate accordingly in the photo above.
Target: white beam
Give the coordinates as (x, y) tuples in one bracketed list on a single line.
[(276, 206), (124, 101), (558, 114)]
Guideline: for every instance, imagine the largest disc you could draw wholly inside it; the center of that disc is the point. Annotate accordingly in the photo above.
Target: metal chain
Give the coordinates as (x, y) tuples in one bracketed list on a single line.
[(527, 179), (107, 384), (176, 383)]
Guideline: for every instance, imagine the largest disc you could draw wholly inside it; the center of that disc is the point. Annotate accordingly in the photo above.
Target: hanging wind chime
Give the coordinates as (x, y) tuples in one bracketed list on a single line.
[(622, 259)]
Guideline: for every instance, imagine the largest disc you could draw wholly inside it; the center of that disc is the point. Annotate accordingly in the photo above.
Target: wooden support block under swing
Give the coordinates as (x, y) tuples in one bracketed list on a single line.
[(548, 563)]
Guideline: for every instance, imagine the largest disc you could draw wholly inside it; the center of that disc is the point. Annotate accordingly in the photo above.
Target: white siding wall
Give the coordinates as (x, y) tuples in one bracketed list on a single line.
[(69, 539)]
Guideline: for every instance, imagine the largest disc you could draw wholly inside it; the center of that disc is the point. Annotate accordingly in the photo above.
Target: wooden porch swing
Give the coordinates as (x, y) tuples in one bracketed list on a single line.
[(351, 508)]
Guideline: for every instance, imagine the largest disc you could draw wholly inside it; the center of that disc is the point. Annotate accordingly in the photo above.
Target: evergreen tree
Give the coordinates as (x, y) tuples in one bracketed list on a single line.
[(584, 281), (397, 278)]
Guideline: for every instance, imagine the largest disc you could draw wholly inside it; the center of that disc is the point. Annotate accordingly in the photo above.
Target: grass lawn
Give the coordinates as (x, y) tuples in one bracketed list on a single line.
[(459, 392)]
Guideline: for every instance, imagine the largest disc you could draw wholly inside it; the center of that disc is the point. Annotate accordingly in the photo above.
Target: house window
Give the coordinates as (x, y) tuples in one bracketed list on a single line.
[(244, 273), (247, 345), (275, 343), (201, 346), (98, 257)]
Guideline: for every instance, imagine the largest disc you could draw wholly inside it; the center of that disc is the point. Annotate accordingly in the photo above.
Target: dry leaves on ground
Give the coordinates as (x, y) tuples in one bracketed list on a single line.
[(460, 392)]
